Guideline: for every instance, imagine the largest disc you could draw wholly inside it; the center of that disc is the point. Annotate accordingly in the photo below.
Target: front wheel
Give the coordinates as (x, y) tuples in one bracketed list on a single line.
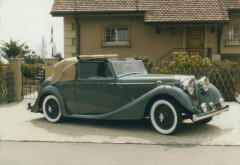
[(164, 117), (52, 109)]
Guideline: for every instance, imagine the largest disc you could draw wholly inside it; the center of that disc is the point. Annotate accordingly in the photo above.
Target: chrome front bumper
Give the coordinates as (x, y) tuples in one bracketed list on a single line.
[(209, 114)]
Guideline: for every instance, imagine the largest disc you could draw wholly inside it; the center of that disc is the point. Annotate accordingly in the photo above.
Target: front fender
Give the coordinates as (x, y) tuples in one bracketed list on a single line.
[(177, 93), (50, 90), (136, 109), (212, 95)]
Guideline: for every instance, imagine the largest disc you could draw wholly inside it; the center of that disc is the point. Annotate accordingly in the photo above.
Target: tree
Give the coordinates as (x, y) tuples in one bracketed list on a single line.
[(14, 49), (43, 48), (59, 56)]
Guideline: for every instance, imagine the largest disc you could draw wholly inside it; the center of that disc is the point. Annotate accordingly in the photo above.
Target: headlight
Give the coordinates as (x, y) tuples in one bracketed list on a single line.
[(203, 83), (222, 102), (204, 107), (189, 85)]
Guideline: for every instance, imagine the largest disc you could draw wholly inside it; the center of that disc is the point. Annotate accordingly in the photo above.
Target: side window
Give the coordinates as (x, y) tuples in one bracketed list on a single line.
[(94, 70)]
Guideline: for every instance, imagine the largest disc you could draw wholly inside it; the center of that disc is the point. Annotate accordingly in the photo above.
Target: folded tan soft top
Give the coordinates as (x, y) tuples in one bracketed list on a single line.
[(65, 69)]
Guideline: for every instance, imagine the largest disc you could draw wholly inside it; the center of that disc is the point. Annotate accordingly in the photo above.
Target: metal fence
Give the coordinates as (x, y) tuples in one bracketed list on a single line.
[(33, 76), (6, 87), (226, 80), (203, 52)]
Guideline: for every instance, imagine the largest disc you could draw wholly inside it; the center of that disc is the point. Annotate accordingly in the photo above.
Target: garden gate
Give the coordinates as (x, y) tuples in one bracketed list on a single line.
[(6, 87), (32, 76)]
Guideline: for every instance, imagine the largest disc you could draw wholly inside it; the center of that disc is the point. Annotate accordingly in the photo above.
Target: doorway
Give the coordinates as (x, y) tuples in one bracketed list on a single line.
[(195, 40)]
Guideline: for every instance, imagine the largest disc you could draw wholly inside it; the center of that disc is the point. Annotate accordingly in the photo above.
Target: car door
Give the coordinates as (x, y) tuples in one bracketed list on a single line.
[(97, 92)]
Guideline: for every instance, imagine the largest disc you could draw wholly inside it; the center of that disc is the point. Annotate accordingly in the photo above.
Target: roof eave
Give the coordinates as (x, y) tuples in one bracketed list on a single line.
[(189, 22), (63, 13), (234, 10)]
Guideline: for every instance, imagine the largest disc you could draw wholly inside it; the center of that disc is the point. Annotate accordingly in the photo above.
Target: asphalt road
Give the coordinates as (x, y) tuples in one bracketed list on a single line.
[(49, 153), (17, 124), (27, 138)]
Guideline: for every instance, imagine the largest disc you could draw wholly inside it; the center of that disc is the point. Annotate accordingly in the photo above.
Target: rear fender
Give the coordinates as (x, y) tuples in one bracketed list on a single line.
[(50, 90)]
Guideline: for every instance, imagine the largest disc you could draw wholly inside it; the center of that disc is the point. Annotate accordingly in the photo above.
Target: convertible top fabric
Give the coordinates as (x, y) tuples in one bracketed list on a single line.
[(65, 69)]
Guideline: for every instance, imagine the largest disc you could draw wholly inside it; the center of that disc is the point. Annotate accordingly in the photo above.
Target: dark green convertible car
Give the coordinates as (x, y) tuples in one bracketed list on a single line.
[(103, 87)]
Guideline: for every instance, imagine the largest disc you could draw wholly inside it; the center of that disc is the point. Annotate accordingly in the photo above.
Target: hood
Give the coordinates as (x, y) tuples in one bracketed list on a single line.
[(155, 77)]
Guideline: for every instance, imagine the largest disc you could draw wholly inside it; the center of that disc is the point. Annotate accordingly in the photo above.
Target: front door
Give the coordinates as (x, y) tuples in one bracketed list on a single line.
[(96, 91), (194, 40)]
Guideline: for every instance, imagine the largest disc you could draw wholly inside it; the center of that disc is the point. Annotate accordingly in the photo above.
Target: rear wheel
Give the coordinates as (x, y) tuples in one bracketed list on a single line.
[(52, 109), (164, 117)]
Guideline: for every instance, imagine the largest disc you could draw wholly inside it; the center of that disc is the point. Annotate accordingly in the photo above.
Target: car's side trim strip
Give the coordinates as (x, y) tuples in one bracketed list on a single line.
[(134, 83)]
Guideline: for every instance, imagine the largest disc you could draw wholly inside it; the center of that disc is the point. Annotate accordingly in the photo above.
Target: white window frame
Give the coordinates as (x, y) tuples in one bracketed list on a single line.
[(233, 37), (116, 43)]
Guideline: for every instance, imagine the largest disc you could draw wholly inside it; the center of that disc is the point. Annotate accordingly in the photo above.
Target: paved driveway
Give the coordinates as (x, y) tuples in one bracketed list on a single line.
[(17, 124)]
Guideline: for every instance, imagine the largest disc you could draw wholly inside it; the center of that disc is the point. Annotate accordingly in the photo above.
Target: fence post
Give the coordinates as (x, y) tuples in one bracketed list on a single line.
[(49, 64), (15, 66)]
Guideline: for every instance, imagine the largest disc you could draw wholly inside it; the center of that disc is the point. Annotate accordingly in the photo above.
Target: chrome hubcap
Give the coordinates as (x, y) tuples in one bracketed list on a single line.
[(161, 117), (50, 109)]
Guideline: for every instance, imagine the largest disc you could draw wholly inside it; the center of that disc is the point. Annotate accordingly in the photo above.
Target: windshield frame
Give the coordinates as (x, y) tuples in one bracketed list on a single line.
[(140, 62)]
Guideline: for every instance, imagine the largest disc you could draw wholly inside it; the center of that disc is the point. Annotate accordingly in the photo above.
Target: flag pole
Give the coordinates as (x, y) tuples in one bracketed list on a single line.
[(52, 38)]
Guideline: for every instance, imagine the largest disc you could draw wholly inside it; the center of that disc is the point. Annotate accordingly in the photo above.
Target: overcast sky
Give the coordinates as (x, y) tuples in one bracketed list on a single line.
[(29, 20)]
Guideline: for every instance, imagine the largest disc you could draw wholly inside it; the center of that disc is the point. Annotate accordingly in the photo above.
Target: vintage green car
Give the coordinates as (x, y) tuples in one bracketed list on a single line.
[(103, 87)]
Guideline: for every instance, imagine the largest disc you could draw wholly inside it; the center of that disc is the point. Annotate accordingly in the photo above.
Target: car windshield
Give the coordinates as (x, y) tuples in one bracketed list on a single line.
[(123, 68)]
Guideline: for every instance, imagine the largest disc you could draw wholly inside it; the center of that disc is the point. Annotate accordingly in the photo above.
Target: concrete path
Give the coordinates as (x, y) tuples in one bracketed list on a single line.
[(17, 124)]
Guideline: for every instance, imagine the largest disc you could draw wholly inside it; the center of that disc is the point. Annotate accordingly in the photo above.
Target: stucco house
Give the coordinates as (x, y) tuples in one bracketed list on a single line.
[(150, 27)]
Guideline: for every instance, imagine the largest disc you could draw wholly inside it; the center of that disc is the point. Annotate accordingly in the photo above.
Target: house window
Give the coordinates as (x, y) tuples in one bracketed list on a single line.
[(116, 37), (233, 36)]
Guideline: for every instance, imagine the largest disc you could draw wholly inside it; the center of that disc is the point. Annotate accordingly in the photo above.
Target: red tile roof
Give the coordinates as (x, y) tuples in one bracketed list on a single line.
[(155, 10)]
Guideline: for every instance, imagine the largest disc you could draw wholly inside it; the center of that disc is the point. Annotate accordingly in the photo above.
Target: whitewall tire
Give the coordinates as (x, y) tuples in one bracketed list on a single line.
[(51, 109), (164, 117)]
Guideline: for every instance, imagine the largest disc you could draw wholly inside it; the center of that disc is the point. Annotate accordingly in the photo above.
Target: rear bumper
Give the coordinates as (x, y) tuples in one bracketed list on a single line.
[(209, 114), (29, 107)]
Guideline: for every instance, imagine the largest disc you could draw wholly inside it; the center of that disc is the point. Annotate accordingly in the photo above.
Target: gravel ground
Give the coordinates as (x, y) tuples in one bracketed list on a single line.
[(17, 124)]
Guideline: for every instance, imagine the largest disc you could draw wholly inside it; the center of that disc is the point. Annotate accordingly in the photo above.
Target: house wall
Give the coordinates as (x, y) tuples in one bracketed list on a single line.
[(211, 38), (144, 39), (69, 37), (234, 20)]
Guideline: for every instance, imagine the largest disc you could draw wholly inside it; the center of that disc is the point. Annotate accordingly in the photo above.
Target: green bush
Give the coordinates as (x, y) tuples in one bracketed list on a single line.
[(182, 63), (1, 67), (31, 71), (146, 61), (223, 74)]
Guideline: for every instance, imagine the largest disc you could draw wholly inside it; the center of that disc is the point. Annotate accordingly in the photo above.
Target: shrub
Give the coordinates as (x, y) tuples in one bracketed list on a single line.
[(224, 74), (182, 63), (1, 67), (31, 71)]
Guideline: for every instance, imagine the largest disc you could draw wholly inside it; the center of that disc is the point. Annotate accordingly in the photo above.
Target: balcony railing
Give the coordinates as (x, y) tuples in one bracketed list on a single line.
[(204, 52)]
